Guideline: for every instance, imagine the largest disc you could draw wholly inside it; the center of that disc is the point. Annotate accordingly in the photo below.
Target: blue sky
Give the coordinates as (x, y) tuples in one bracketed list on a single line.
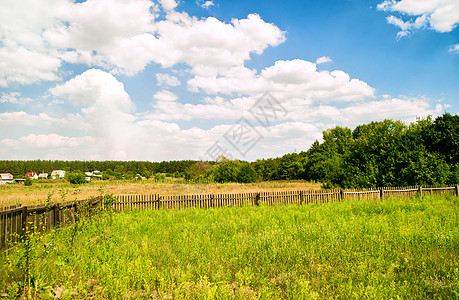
[(171, 80)]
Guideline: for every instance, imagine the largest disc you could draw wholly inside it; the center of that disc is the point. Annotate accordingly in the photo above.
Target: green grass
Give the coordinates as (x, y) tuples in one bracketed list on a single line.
[(355, 249)]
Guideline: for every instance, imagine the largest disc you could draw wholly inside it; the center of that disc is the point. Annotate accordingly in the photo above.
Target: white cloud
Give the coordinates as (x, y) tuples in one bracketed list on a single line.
[(122, 36), (106, 108), (49, 141), (23, 66), (287, 79), (95, 87), (51, 146), (210, 46), (441, 15), (454, 48), (323, 59), (405, 109), (20, 123), (156, 138), (207, 4), (14, 98), (168, 4), (165, 96), (408, 26), (114, 34), (125, 37), (166, 79)]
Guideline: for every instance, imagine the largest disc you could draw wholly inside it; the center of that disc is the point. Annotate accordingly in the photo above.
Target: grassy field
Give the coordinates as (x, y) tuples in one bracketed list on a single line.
[(60, 190), (355, 249)]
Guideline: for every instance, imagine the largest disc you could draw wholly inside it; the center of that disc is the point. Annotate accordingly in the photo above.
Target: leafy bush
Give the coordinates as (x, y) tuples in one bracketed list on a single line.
[(76, 178), (159, 176), (28, 181)]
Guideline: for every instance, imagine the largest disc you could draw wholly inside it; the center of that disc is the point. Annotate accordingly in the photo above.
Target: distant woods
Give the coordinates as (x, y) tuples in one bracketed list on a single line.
[(112, 170), (386, 153)]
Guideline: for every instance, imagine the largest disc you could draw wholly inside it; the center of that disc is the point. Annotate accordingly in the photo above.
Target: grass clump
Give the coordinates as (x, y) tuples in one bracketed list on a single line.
[(362, 249)]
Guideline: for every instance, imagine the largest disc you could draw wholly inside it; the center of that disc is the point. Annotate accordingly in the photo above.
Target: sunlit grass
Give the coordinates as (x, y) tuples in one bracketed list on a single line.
[(354, 249), (38, 193)]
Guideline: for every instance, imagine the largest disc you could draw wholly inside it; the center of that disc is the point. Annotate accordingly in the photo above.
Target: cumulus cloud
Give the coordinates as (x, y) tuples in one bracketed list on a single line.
[(207, 4), (106, 107), (24, 66), (454, 48), (122, 37), (168, 4), (166, 79), (165, 96), (210, 46), (439, 15), (290, 78)]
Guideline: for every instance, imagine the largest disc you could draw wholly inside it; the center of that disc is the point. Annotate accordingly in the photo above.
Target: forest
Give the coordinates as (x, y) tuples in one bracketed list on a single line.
[(385, 153)]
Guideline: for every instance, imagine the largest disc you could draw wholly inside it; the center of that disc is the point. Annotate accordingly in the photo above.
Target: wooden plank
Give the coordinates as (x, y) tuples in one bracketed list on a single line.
[(2, 230)]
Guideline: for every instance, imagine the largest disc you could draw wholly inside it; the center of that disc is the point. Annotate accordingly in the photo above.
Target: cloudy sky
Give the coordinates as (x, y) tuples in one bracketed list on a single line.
[(192, 79)]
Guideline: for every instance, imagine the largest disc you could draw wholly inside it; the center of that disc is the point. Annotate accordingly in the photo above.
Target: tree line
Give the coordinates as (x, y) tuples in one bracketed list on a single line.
[(111, 169), (385, 153)]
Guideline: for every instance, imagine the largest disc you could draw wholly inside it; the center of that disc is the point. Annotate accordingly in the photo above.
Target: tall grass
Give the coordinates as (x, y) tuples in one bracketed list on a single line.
[(353, 249)]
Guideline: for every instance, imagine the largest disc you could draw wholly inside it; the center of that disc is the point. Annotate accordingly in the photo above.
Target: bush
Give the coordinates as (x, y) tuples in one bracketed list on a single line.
[(28, 181), (76, 178), (159, 176)]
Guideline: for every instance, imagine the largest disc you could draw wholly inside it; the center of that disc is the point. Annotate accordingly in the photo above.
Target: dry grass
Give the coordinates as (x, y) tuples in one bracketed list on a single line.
[(59, 190)]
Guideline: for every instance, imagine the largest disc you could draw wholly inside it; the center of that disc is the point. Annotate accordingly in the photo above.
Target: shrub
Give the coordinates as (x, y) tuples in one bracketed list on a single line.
[(76, 178), (28, 181)]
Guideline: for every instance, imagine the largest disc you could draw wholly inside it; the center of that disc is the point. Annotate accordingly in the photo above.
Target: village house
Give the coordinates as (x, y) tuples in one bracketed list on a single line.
[(94, 174), (57, 173), (6, 178), (31, 175), (43, 175)]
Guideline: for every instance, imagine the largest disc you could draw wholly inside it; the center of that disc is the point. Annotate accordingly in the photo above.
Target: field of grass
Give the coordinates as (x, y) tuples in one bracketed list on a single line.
[(353, 249), (60, 190)]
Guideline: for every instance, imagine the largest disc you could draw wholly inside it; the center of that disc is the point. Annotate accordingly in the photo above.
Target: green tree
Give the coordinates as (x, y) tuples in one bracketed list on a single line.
[(246, 173), (225, 171)]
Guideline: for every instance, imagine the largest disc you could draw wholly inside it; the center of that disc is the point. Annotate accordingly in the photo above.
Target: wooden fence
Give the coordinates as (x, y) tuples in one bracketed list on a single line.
[(17, 221), (124, 202)]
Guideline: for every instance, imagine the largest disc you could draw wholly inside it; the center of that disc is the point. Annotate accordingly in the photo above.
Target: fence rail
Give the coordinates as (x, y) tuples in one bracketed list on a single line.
[(17, 221), (155, 201)]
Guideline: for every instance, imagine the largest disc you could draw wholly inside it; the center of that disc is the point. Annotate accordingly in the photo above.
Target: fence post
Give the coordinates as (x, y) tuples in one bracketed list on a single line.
[(301, 197), (420, 191), (24, 221), (56, 215), (457, 190), (381, 193), (341, 195)]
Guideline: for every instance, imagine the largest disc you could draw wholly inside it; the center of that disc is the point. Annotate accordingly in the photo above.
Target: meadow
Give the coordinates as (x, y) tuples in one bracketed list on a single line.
[(58, 191), (352, 249)]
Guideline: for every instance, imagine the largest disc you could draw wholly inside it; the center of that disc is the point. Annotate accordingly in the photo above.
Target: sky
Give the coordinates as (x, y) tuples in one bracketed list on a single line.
[(196, 79)]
